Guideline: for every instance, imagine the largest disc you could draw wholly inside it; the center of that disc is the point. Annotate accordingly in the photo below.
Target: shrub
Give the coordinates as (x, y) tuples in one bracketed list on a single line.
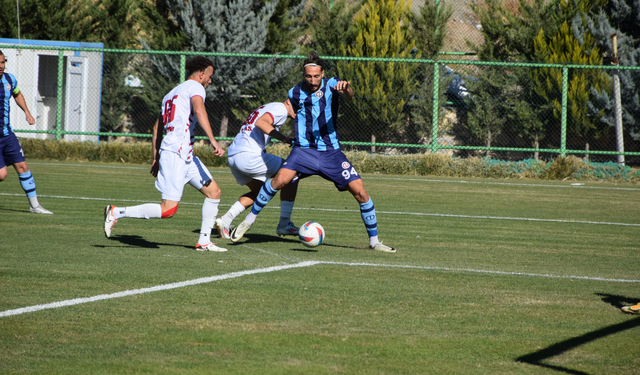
[(562, 168)]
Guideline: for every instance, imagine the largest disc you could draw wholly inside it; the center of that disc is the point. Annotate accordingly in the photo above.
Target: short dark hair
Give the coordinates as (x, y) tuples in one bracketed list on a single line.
[(197, 64), (313, 58)]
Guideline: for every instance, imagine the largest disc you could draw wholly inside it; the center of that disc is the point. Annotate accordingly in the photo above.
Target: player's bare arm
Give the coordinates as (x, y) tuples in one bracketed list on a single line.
[(156, 141), (265, 123), (19, 98), (201, 114), (345, 90)]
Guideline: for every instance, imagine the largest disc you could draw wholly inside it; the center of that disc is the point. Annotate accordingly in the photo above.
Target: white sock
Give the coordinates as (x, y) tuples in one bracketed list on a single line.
[(209, 213), (143, 211), (250, 218), (235, 211), (373, 241), (33, 201), (286, 208)]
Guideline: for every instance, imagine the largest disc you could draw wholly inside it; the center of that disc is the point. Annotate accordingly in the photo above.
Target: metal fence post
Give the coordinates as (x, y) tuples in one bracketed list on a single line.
[(436, 94), (563, 121), (617, 101), (183, 67), (59, 94)]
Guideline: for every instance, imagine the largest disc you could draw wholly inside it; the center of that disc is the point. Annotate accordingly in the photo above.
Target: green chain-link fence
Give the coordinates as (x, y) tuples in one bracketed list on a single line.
[(510, 111)]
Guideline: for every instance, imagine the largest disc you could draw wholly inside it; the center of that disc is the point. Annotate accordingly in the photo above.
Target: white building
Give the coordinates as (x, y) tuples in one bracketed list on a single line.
[(36, 70)]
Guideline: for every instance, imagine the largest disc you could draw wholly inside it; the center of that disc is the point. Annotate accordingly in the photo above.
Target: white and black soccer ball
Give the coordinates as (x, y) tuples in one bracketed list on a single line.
[(311, 234)]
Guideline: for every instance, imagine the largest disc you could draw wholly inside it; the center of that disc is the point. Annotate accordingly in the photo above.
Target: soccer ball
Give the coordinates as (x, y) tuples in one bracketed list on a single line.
[(311, 234)]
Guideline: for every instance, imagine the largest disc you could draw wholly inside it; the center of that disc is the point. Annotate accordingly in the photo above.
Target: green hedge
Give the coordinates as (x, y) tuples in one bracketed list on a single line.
[(562, 168)]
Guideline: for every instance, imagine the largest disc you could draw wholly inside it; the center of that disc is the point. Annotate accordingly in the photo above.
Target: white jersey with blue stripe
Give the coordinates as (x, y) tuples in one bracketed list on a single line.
[(9, 87), (316, 113)]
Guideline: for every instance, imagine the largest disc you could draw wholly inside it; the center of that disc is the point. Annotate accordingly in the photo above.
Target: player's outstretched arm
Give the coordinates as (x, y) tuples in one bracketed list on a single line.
[(156, 141), (201, 114), (23, 105)]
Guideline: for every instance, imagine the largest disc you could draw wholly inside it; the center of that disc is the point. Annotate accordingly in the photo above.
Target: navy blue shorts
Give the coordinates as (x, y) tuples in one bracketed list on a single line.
[(331, 165), (10, 150)]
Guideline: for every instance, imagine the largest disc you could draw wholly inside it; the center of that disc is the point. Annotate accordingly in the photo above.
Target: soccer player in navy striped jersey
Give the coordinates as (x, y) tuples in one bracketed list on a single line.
[(10, 148), (316, 149)]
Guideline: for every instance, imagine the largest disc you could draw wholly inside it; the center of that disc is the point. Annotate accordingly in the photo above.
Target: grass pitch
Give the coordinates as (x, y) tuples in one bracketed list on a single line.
[(491, 276)]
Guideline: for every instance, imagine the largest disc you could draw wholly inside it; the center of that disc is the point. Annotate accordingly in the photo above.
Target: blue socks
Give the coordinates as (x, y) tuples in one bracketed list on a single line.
[(264, 196), (28, 184), (368, 213)]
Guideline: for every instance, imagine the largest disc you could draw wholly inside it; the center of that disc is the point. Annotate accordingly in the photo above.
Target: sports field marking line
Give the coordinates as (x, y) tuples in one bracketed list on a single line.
[(479, 217), (506, 273), (572, 185), (126, 293), (379, 212), (204, 280), (105, 166), (103, 199)]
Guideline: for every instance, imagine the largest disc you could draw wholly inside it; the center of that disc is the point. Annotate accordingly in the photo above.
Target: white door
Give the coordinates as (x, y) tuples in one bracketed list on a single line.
[(76, 98)]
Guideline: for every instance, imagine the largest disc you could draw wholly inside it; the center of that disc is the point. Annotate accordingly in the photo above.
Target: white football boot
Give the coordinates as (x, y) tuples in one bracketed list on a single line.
[(380, 247), (210, 247), (109, 220), (40, 210), (239, 231), (223, 231)]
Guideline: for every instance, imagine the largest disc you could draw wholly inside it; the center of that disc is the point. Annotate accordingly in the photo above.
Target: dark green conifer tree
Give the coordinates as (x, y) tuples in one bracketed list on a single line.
[(382, 89), (620, 17)]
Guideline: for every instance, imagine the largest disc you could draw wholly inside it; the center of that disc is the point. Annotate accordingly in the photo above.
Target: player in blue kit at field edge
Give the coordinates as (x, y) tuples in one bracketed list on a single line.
[(316, 149), (10, 148)]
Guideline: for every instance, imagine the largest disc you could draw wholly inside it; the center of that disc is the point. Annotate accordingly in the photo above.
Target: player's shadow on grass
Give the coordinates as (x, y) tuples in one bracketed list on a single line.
[(617, 301), (318, 248), (138, 241), (537, 357), (256, 238), (14, 210)]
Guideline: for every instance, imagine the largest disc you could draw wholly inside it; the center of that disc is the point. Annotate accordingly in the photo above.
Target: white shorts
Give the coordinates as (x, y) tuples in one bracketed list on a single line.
[(247, 166), (175, 172)]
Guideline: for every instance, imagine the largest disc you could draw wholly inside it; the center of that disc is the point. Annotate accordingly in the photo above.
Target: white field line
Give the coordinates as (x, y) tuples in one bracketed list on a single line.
[(379, 212), (107, 166), (578, 185), (574, 185), (132, 292), (203, 280), (591, 278)]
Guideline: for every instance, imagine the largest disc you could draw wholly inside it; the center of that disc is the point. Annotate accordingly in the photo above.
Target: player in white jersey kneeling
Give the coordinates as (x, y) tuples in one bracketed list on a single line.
[(173, 161), (251, 165)]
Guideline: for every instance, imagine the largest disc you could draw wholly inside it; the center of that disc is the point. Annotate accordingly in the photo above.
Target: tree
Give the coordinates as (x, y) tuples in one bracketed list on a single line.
[(227, 26), (283, 27), (332, 26), (565, 48), (284, 30), (618, 17), (64, 20), (382, 89), (115, 23), (488, 106), (428, 29), (329, 25), (538, 31)]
